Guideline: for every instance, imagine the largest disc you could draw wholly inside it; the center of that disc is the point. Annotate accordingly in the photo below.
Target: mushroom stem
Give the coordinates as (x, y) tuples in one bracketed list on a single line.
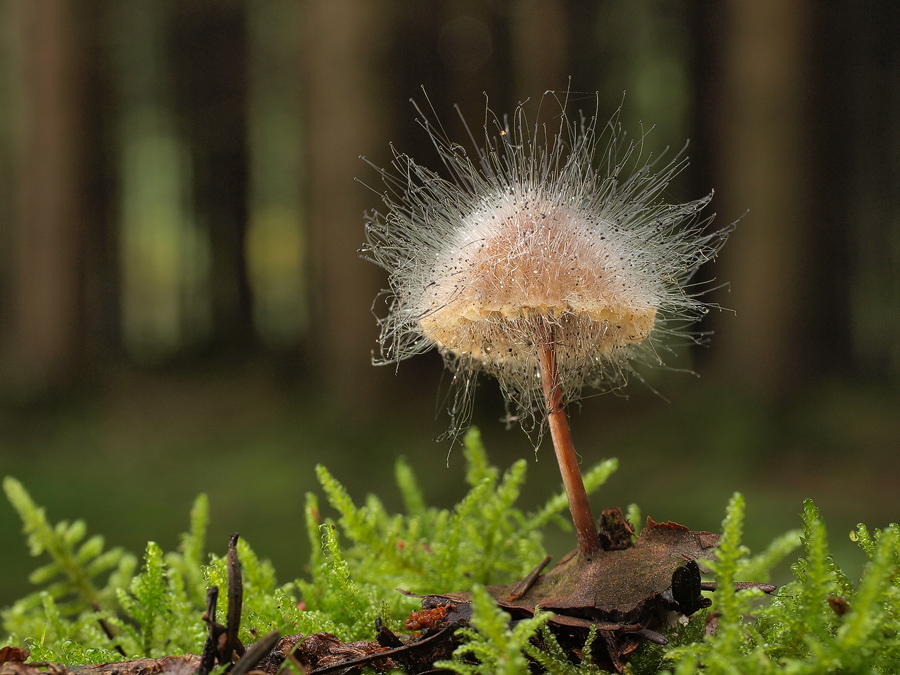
[(585, 527)]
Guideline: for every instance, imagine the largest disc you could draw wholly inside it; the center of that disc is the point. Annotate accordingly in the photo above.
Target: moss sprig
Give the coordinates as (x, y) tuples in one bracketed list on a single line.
[(492, 646), (818, 623), (485, 539), (77, 570)]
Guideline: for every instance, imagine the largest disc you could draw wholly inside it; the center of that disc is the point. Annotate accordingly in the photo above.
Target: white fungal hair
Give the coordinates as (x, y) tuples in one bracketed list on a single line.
[(562, 236)]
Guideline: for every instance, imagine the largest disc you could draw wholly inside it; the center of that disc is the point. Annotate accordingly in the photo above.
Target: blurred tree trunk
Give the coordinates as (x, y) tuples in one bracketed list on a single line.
[(103, 339), (863, 48), (539, 49), (834, 78), (705, 63), (585, 65), (763, 170), (344, 44), (209, 63), (49, 303), (474, 42)]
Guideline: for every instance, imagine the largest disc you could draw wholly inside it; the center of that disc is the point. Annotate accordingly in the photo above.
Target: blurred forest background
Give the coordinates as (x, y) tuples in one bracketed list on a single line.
[(184, 308)]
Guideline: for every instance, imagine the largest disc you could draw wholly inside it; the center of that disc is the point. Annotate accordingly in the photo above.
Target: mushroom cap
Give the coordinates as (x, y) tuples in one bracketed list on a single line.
[(526, 259)]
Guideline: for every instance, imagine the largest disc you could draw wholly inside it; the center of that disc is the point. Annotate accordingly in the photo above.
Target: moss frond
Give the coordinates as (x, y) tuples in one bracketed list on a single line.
[(413, 499), (485, 539), (492, 646), (594, 478), (191, 556), (478, 468), (819, 623), (759, 567), (90, 604), (76, 571)]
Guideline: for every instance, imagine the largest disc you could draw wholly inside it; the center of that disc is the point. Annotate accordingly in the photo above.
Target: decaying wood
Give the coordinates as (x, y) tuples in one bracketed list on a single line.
[(625, 591), (169, 665)]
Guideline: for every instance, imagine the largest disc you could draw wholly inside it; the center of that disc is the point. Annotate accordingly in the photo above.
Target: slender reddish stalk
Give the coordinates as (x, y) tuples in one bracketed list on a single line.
[(585, 528)]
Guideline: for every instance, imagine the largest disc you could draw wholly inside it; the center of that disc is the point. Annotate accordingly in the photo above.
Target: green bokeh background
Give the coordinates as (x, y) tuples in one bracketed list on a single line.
[(184, 309)]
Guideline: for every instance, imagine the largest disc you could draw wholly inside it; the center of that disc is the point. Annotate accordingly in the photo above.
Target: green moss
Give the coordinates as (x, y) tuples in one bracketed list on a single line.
[(491, 645), (93, 605), (818, 623)]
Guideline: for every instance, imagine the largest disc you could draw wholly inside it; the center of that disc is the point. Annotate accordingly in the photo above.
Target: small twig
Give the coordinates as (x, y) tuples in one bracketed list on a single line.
[(211, 646), (521, 588), (741, 586), (293, 659), (585, 527), (235, 603), (257, 651), (442, 634), (107, 629)]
